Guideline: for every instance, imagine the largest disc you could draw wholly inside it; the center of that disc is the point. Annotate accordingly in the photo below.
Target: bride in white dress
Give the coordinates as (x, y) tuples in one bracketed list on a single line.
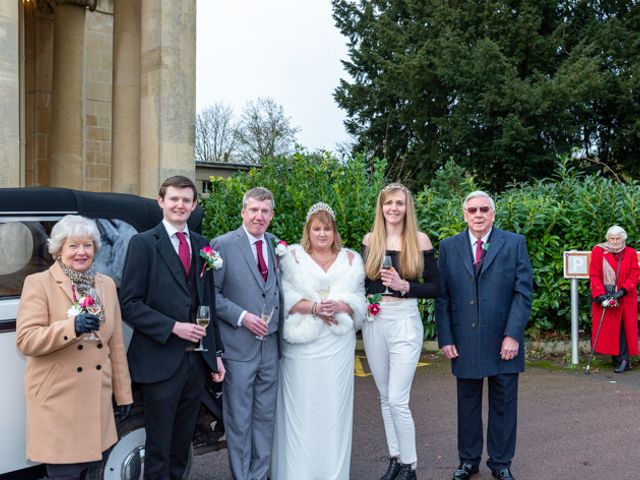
[(323, 286)]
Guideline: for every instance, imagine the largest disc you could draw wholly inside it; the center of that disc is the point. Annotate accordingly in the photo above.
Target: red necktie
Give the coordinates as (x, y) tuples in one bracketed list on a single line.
[(183, 251), (479, 253), (262, 265)]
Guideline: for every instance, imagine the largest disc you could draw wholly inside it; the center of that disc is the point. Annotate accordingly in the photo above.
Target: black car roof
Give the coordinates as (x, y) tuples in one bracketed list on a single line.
[(141, 213)]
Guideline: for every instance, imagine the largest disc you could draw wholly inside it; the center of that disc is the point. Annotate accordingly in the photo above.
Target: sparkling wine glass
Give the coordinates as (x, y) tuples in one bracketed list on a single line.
[(387, 265), (325, 288), (95, 309), (203, 317), (265, 315)]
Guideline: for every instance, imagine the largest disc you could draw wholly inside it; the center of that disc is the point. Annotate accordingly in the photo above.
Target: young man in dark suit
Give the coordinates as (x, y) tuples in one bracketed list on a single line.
[(160, 293), (486, 287)]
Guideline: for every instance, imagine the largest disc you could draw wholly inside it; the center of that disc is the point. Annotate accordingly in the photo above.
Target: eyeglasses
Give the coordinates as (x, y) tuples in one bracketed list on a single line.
[(473, 210)]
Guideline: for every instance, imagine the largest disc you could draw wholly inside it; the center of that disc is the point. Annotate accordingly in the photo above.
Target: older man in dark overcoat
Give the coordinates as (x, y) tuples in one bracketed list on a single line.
[(486, 286)]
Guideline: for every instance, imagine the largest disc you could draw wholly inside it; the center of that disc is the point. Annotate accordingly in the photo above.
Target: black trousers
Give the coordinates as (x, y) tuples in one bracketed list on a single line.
[(171, 410), (502, 425), (624, 350)]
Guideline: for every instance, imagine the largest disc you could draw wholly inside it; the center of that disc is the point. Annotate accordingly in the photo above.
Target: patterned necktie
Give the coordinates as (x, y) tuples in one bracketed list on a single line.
[(262, 265), (183, 251), (479, 253)]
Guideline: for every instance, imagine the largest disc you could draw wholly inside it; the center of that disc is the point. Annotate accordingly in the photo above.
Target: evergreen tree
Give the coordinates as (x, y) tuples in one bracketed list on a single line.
[(501, 87)]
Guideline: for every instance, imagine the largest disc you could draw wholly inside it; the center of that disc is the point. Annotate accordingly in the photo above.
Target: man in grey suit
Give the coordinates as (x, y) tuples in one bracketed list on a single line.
[(486, 287), (249, 279)]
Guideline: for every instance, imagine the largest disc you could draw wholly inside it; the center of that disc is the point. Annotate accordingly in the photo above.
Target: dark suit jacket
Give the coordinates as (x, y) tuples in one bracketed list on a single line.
[(153, 296), (476, 310)]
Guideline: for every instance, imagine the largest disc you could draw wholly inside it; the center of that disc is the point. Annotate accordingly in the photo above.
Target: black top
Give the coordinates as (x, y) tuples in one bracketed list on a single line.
[(427, 289)]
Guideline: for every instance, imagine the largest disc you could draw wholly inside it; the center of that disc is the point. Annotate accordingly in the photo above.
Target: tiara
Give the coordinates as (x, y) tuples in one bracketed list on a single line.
[(316, 207), (394, 186)]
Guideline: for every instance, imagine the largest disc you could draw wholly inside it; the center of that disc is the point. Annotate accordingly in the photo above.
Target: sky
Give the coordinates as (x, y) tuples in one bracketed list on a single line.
[(289, 50)]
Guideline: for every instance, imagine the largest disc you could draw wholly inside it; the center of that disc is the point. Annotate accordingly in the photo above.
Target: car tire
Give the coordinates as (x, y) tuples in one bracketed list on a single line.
[(125, 460)]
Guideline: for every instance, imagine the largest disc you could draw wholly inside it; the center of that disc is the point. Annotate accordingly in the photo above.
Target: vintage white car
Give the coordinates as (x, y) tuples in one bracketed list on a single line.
[(26, 218)]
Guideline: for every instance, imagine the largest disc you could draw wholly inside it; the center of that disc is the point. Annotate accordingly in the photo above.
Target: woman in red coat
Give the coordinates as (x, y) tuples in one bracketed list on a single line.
[(614, 274)]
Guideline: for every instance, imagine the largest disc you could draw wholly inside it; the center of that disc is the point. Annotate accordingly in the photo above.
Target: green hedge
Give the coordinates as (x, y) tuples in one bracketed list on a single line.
[(569, 211)]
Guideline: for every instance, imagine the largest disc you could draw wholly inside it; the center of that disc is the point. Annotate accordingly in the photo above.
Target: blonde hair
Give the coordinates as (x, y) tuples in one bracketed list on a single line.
[(411, 260), (326, 220)]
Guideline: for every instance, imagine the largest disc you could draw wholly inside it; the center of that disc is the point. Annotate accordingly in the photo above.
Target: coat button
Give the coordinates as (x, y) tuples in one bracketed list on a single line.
[(65, 337), (80, 347), (98, 367), (472, 302), (79, 369), (99, 345), (473, 325), (263, 294)]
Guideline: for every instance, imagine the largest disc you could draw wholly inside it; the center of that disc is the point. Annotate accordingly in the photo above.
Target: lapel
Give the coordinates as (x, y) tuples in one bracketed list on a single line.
[(273, 261), (196, 245), (62, 281), (463, 245), (247, 253), (169, 255), (495, 241)]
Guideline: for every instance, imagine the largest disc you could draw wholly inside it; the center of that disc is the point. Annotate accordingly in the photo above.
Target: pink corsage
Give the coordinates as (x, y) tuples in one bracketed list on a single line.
[(211, 258), (374, 306)]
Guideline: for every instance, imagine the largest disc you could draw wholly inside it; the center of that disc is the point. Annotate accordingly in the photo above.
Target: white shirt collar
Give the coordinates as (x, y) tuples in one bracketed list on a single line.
[(484, 239), (251, 238), (171, 230)]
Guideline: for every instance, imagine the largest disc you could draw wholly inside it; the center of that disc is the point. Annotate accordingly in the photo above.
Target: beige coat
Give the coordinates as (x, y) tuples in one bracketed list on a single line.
[(69, 381)]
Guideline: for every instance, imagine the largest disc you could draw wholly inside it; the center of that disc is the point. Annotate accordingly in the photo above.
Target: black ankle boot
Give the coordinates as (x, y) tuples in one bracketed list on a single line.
[(406, 472), (623, 367), (392, 470)]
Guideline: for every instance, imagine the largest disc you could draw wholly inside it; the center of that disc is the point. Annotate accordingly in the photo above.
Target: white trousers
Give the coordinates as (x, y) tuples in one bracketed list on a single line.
[(393, 343)]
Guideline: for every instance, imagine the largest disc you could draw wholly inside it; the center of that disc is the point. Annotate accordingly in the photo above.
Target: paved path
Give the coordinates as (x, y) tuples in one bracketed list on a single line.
[(571, 426)]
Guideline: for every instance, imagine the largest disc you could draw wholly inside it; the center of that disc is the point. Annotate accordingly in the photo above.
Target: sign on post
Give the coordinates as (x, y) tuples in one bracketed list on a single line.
[(576, 264)]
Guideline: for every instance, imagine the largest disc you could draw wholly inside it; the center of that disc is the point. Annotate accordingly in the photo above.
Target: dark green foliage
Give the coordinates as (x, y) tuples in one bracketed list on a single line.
[(297, 183), (501, 87)]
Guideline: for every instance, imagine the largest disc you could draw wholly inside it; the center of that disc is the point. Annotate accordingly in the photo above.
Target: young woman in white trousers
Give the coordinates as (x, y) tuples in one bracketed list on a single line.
[(393, 334)]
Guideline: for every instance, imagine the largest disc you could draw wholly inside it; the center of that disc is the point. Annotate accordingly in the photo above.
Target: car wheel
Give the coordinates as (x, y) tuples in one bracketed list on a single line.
[(125, 460)]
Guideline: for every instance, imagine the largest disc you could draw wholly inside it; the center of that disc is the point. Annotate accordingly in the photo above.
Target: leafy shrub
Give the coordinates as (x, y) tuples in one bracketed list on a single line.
[(569, 211)]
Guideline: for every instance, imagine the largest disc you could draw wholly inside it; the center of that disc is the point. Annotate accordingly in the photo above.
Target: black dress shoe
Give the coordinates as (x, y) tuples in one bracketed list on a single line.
[(465, 471), (392, 470), (502, 474), (406, 472), (623, 367)]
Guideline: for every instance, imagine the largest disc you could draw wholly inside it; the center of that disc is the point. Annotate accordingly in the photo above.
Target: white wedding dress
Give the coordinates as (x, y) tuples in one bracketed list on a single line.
[(314, 409)]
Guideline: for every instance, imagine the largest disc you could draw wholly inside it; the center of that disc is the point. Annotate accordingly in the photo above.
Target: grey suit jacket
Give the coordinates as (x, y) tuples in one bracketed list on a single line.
[(239, 286), (477, 308)]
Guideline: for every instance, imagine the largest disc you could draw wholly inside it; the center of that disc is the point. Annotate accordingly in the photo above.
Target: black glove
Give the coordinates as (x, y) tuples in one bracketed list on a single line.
[(122, 412), (599, 299), (86, 322), (619, 294)]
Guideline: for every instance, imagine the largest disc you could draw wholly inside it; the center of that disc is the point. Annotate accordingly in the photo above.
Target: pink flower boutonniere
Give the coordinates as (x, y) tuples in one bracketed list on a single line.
[(211, 258), (374, 306), (280, 246)]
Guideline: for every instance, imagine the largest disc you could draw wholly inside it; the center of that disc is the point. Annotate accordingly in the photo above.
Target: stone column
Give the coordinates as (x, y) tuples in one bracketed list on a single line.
[(68, 125), (11, 165), (168, 88), (125, 164)]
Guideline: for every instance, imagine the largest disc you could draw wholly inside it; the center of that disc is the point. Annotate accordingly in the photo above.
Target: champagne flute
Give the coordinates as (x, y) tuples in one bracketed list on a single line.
[(203, 317), (387, 264), (265, 315), (325, 288), (95, 309)]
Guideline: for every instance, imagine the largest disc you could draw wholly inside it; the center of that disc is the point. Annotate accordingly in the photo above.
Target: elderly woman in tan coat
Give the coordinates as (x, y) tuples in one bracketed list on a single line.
[(72, 374)]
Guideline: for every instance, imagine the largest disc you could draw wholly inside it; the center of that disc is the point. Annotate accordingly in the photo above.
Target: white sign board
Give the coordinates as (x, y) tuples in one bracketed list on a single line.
[(576, 264)]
